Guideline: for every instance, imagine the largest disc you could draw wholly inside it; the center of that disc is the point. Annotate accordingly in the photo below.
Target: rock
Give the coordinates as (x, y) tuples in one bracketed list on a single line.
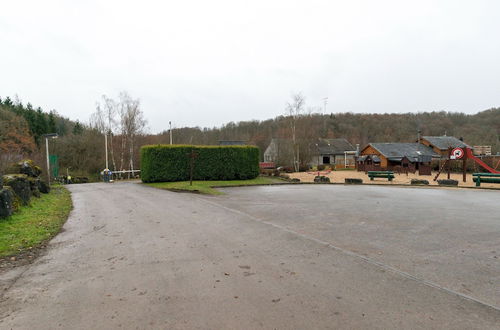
[(27, 167), (6, 203), (34, 186), (353, 181), (419, 182), (321, 179), (446, 182), (21, 186), (79, 179), (43, 187), (295, 180)]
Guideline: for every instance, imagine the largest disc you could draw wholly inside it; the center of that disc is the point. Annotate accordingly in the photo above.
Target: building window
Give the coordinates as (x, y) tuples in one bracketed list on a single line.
[(326, 159)]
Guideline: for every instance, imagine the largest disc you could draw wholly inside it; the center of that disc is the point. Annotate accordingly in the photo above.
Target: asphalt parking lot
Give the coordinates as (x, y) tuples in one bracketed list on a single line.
[(275, 257)]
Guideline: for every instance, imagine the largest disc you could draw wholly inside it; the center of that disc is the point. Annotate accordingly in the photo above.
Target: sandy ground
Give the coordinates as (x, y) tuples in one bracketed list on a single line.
[(339, 176)]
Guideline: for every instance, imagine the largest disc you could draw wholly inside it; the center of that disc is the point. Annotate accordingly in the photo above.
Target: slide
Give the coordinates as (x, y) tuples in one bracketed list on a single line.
[(480, 162)]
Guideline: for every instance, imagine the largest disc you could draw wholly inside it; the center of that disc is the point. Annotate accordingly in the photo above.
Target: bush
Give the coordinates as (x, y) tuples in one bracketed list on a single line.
[(419, 182), (321, 179), (446, 182), (353, 181), (164, 163)]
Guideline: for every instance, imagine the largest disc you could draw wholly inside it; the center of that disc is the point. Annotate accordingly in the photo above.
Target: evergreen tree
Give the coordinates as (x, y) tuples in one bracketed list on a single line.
[(52, 123), (78, 128)]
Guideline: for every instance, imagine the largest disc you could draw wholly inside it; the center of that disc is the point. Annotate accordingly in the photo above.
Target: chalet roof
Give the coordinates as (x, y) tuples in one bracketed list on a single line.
[(413, 151), (334, 146), (445, 142)]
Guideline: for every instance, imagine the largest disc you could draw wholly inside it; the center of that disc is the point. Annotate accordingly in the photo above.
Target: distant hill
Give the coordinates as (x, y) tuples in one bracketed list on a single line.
[(482, 128)]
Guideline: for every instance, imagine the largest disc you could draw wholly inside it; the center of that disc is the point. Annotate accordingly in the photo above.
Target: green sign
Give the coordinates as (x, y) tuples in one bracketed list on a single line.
[(54, 165)]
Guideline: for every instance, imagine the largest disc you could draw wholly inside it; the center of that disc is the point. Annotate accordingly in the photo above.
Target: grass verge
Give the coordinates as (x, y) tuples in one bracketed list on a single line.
[(34, 224), (206, 187)]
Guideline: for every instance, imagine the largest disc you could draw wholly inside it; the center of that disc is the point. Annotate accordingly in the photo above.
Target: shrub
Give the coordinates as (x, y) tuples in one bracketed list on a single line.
[(353, 181), (160, 163), (419, 182), (446, 182), (321, 179)]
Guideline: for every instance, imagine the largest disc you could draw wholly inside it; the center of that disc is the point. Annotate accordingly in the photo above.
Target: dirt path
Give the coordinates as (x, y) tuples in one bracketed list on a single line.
[(133, 257)]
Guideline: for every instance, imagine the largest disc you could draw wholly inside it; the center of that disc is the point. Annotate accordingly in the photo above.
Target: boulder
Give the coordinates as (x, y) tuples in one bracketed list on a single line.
[(80, 179), (447, 182), (353, 181), (27, 167), (321, 179), (43, 187), (34, 186), (21, 186), (6, 202)]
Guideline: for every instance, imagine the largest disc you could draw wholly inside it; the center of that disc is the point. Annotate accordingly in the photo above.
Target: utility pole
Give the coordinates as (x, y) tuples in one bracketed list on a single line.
[(106, 147), (170, 130), (325, 102), (47, 137)]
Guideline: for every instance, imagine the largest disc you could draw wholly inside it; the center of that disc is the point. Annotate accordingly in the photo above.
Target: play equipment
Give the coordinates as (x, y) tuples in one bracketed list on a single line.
[(464, 154), (468, 153)]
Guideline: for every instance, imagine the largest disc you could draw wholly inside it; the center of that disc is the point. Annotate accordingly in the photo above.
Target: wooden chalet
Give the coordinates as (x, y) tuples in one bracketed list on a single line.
[(443, 144), (398, 157)]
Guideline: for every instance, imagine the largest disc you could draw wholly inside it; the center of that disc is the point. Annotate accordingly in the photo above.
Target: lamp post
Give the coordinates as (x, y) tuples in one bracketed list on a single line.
[(47, 137), (170, 131)]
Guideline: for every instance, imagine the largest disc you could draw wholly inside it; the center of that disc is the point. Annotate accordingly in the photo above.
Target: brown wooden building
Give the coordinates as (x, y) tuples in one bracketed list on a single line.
[(442, 144), (399, 157)]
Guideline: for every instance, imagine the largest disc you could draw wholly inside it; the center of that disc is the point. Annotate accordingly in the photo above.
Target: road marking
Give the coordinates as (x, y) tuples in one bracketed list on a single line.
[(356, 255)]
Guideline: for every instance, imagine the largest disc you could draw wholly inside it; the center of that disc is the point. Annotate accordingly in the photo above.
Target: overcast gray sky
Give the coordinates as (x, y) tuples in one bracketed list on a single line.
[(204, 63)]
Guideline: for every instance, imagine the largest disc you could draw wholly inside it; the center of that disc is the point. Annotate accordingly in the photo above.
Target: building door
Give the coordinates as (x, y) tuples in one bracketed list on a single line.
[(326, 159)]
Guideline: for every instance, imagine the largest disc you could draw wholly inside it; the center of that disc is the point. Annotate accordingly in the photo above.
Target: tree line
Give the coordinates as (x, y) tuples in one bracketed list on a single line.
[(81, 146)]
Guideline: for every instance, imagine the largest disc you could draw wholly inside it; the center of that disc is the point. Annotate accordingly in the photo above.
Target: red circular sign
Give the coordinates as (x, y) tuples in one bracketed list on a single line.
[(457, 153)]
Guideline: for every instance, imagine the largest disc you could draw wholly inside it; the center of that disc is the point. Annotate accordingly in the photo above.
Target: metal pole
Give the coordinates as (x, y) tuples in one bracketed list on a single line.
[(170, 129), (106, 148), (48, 162)]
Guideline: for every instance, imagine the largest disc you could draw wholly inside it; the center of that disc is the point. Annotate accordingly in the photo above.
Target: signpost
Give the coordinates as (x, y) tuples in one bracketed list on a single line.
[(457, 153)]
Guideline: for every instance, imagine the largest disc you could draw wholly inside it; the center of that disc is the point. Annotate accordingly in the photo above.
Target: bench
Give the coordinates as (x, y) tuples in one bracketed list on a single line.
[(479, 178), (381, 174)]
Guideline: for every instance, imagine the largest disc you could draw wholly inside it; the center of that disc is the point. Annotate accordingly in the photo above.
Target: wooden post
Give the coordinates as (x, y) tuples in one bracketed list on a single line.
[(192, 155), (449, 163), (464, 167)]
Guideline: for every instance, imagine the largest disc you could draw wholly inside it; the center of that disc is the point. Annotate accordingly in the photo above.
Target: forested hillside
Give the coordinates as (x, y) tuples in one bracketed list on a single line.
[(80, 147), (479, 129)]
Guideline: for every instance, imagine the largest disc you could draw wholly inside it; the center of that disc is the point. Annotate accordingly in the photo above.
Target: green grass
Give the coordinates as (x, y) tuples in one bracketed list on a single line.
[(34, 224), (206, 187)]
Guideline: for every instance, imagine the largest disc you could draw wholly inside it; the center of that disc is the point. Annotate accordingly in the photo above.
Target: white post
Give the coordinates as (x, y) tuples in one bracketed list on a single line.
[(170, 129), (48, 162), (345, 159), (106, 147)]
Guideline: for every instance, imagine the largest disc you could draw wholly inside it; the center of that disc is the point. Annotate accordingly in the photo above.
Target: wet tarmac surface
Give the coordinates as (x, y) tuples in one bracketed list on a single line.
[(277, 257)]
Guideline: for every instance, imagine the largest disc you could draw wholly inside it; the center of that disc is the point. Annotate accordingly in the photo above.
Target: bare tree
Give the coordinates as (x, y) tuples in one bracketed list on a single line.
[(294, 109), (132, 123), (104, 120)]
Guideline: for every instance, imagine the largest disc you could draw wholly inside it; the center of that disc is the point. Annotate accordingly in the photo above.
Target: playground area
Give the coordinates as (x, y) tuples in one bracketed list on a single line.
[(491, 176), (340, 176)]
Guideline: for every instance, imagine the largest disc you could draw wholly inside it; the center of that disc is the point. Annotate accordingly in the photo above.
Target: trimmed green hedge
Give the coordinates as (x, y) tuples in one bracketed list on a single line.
[(165, 163)]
